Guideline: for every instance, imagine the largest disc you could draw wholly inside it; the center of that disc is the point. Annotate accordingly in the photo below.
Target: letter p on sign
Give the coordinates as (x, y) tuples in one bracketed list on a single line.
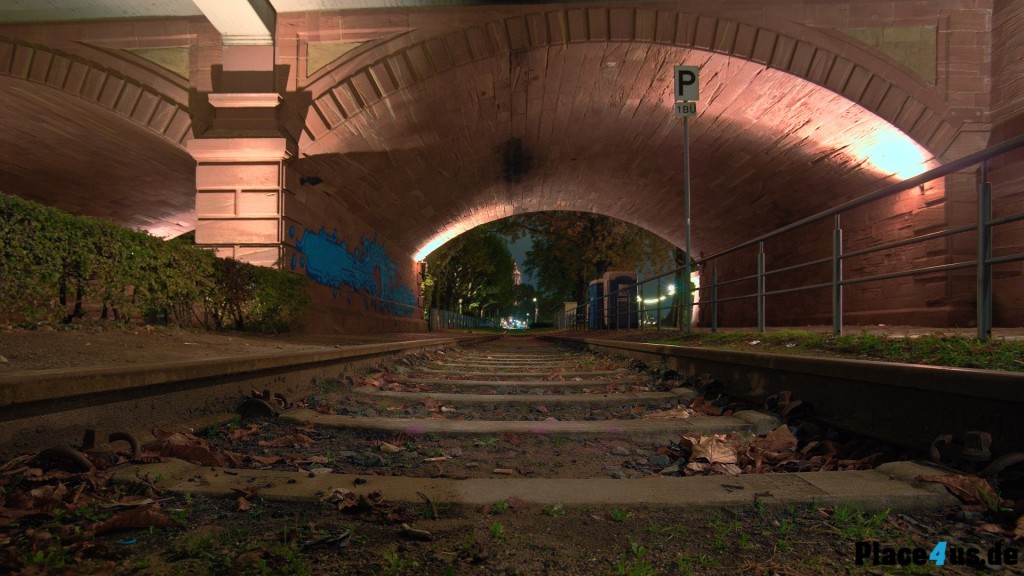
[(687, 86)]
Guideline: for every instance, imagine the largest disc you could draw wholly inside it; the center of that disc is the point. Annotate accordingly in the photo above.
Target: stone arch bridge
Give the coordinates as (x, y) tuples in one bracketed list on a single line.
[(347, 144)]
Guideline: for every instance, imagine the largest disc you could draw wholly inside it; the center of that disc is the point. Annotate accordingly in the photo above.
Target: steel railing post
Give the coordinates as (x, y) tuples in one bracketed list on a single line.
[(639, 307), (984, 255), (837, 278), (657, 322), (714, 298), (618, 311), (760, 286)]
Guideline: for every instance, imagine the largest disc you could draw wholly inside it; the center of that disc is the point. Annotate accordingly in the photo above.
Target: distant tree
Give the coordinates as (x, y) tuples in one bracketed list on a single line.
[(572, 248), (475, 266), (523, 302)]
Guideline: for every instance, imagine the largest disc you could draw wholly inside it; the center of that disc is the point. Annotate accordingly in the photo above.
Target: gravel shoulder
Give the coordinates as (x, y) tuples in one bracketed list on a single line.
[(80, 346)]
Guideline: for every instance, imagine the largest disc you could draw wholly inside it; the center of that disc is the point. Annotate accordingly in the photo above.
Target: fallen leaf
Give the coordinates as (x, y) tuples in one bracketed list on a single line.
[(48, 497), (778, 440), (970, 489), (700, 404), (196, 454), (18, 513), (341, 497), (241, 433), (727, 469), (694, 468), (714, 449), (291, 440), (243, 504), (135, 518), (249, 492), (130, 501), (266, 460), (674, 413)]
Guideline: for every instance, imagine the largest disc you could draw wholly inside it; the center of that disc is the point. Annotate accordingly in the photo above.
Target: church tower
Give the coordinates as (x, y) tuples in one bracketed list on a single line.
[(517, 277)]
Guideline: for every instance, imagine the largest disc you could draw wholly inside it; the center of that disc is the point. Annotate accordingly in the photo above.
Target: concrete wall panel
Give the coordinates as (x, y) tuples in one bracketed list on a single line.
[(216, 203), (247, 231), (237, 176)]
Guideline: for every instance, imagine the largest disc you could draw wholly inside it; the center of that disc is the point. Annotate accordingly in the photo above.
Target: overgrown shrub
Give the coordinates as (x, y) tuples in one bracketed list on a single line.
[(54, 266)]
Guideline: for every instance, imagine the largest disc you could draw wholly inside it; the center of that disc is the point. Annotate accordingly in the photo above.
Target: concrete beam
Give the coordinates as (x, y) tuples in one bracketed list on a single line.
[(241, 22)]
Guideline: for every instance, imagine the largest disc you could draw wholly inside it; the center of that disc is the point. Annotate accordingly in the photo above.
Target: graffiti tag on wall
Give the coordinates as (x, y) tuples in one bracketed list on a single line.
[(367, 269)]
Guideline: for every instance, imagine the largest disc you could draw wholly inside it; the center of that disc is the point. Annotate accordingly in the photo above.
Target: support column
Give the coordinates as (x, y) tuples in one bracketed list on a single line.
[(240, 171), (240, 196)]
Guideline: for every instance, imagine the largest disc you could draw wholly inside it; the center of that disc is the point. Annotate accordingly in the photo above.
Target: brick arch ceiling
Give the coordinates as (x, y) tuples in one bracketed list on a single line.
[(572, 110), (94, 83), (93, 141)]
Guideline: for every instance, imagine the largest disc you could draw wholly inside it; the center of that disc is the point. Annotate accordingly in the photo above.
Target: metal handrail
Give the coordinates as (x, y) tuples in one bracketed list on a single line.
[(797, 266), (920, 179), (983, 262), (914, 240), (440, 319)]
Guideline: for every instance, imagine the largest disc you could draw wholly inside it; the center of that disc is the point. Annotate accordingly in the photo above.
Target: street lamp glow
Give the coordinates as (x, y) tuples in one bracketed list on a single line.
[(671, 289)]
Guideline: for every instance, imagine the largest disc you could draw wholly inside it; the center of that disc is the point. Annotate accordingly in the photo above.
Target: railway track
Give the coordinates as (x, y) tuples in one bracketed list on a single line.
[(431, 448)]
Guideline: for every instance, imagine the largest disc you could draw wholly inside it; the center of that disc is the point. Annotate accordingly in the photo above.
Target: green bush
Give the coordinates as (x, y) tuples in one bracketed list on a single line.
[(53, 265)]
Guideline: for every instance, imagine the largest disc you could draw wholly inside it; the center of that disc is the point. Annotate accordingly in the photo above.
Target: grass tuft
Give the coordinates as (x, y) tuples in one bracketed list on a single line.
[(935, 349)]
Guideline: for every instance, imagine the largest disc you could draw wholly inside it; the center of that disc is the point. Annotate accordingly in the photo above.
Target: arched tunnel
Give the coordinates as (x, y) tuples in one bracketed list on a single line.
[(389, 131)]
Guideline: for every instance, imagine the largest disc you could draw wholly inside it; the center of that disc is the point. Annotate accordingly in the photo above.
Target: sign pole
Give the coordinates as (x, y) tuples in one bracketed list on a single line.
[(687, 90), (688, 310)]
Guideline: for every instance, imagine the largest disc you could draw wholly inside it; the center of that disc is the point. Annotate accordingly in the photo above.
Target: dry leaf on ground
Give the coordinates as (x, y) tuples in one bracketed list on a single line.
[(674, 413), (291, 440), (241, 433), (714, 449), (135, 518), (342, 498), (197, 454), (700, 404), (778, 440), (969, 489)]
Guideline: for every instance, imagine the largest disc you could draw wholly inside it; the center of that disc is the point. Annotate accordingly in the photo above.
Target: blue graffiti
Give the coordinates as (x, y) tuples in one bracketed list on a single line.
[(367, 269)]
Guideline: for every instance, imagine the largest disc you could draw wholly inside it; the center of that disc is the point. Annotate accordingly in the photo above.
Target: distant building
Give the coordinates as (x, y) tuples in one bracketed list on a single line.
[(517, 276)]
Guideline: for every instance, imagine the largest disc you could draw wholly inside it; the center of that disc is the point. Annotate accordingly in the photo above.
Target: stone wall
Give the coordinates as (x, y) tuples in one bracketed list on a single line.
[(361, 282), (1007, 175)]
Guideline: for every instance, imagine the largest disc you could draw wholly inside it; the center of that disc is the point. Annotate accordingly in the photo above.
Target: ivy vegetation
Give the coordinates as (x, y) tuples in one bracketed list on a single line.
[(56, 268)]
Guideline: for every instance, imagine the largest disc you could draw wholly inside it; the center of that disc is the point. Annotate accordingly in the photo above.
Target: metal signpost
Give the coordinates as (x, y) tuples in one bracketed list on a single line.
[(687, 92)]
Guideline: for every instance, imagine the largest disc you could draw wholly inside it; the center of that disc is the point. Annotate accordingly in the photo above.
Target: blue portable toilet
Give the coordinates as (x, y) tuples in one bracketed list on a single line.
[(623, 311), (595, 312)]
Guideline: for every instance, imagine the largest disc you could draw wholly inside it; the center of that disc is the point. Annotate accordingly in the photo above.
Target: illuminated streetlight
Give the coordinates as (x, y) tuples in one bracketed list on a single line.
[(534, 309)]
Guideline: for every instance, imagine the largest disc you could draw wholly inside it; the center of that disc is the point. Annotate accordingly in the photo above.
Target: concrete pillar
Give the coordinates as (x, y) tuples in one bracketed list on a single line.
[(241, 157), (240, 197)]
